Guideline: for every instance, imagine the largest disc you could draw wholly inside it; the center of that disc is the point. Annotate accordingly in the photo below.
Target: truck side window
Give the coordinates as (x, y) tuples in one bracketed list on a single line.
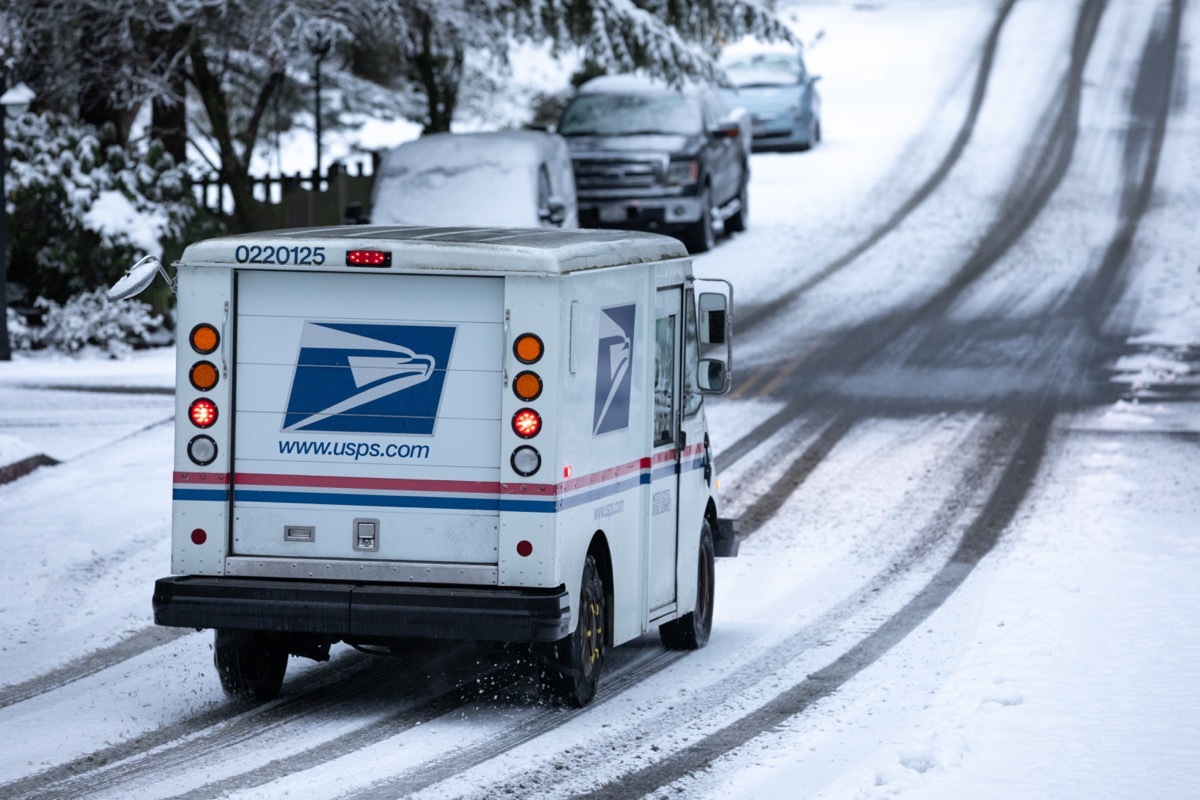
[(664, 381), (691, 358)]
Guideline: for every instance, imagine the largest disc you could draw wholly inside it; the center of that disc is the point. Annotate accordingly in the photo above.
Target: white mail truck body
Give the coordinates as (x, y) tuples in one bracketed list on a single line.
[(485, 434)]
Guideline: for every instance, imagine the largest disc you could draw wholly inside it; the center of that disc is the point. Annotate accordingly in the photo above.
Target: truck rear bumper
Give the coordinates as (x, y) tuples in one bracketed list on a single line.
[(362, 611)]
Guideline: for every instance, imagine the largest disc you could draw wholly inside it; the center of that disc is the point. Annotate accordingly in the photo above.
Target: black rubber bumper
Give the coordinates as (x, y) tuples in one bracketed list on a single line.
[(362, 611)]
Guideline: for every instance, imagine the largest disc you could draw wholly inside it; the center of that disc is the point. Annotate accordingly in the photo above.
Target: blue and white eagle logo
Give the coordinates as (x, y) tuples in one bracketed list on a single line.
[(368, 378), (613, 376)]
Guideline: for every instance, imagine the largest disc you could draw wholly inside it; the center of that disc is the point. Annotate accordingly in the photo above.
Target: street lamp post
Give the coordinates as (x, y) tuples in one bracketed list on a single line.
[(17, 101)]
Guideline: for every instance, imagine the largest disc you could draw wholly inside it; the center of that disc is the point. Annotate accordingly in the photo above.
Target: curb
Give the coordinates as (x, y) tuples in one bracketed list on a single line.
[(24, 467)]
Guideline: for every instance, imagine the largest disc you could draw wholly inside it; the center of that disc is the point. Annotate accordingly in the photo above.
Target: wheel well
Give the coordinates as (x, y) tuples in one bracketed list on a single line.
[(710, 514), (598, 549)]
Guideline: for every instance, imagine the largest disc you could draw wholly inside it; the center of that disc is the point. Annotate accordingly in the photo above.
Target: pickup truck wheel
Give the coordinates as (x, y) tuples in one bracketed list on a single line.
[(570, 668), (690, 632), (700, 237), (737, 222), (249, 664)]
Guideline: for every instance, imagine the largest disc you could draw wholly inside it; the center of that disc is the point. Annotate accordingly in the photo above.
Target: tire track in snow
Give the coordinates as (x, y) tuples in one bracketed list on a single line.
[(1049, 154), (758, 314), (1150, 109), (977, 542), (130, 647)]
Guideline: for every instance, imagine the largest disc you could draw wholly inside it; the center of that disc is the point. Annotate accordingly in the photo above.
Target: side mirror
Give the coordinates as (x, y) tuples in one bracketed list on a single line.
[(714, 318), (136, 279), (713, 377), (715, 323), (554, 213)]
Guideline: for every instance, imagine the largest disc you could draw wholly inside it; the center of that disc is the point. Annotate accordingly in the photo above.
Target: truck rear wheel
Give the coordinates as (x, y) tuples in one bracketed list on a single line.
[(570, 668), (690, 632), (249, 664)]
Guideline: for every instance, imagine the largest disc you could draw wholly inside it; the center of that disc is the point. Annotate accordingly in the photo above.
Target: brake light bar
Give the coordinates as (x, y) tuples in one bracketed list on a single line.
[(368, 258)]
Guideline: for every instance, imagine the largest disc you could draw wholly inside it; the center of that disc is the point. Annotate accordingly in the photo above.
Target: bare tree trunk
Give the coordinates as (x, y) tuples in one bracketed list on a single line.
[(234, 165), (168, 117), (439, 68)]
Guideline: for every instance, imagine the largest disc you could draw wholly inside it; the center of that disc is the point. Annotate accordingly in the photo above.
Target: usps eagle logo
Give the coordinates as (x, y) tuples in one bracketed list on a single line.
[(368, 378), (613, 376)]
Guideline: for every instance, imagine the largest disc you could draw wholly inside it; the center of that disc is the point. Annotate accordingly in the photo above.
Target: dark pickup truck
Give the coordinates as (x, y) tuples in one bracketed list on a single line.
[(653, 158)]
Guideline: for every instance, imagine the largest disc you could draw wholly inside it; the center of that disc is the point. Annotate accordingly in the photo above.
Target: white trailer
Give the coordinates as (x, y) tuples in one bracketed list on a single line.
[(488, 434)]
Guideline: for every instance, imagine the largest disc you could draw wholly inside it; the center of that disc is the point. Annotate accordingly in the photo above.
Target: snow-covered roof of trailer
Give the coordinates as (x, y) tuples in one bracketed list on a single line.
[(532, 250)]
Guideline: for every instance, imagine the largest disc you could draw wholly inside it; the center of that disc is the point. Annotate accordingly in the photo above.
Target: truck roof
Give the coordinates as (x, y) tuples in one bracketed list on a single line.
[(530, 250)]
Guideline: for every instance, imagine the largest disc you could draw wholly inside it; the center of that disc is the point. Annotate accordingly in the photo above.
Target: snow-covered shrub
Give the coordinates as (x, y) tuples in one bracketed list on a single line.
[(83, 207), (87, 319)]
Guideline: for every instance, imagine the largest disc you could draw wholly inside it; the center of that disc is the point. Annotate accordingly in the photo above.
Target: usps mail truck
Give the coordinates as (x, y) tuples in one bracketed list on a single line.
[(485, 434)]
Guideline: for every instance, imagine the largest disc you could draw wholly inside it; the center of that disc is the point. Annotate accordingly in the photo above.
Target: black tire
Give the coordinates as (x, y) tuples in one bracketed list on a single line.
[(570, 668), (700, 237), (691, 631), (737, 223), (814, 135), (249, 664)]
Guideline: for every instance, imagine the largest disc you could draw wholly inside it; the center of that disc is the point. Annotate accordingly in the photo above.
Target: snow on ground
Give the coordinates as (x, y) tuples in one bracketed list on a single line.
[(1062, 668)]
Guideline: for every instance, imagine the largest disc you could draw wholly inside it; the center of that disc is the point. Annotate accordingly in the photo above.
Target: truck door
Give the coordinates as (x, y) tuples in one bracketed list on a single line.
[(666, 444)]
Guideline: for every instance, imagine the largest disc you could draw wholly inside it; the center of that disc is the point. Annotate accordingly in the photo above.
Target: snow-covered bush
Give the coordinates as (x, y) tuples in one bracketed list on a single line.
[(87, 319), (83, 207)]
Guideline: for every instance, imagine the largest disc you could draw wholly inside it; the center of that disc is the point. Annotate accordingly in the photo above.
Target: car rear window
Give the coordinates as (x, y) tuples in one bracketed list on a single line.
[(764, 69)]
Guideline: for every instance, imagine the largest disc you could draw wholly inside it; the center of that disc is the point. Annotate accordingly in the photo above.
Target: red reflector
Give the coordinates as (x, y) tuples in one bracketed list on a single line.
[(368, 258), (526, 423), (199, 536), (524, 548), (203, 413)]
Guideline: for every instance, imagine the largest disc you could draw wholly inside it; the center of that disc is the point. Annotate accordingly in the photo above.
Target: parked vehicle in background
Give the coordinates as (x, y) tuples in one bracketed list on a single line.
[(654, 158), (494, 179), (775, 86)]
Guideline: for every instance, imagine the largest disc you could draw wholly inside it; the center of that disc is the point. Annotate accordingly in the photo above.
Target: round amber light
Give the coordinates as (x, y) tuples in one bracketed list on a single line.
[(528, 348), (527, 385), (204, 338), (203, 375)]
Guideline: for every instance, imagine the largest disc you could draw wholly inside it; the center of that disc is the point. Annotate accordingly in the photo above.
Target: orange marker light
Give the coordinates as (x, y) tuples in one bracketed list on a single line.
[(528, 348), (203, 375), (204, 338), (527, 386)]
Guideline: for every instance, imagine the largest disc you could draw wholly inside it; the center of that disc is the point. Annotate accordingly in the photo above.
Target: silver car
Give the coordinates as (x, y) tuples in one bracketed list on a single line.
[(776, 88)]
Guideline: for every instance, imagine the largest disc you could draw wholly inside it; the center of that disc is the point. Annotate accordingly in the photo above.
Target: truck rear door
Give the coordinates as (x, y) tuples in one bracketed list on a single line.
[(367, 426)]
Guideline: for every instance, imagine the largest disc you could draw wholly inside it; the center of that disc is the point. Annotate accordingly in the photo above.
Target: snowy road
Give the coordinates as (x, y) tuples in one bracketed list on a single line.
[(963, 439)]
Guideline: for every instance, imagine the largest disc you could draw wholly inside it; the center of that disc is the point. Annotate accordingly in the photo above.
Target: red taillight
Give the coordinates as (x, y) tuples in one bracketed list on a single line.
[(368, 258), (526, 423), (203, 413)]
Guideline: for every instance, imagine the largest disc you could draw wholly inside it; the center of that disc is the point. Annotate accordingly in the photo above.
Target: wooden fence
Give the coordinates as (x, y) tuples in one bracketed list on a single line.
[(298, 201)]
